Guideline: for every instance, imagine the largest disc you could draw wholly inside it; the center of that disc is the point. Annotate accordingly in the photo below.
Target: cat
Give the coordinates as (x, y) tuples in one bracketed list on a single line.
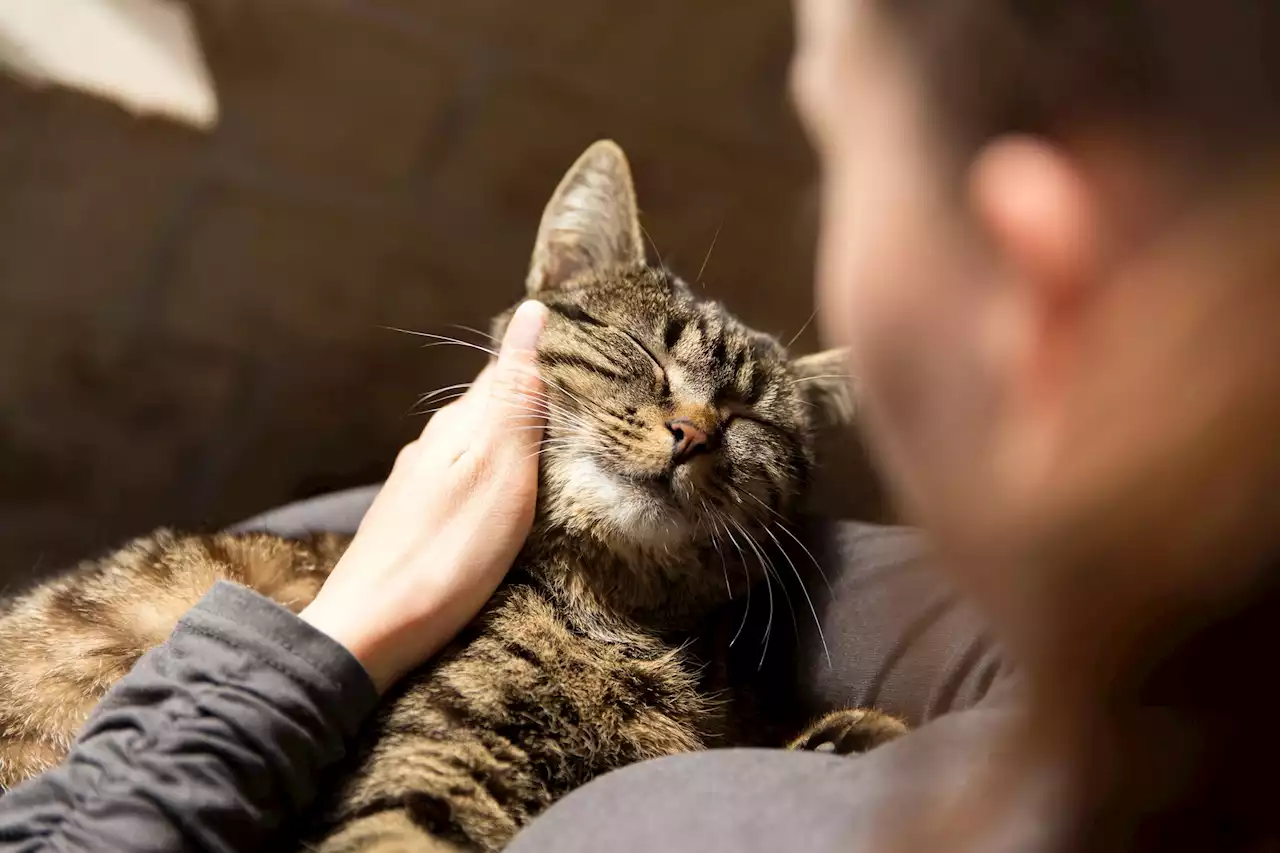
[(677, 436)]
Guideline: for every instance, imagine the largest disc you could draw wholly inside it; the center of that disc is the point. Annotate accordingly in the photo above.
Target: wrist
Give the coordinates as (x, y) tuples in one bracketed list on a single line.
[(368, 644)]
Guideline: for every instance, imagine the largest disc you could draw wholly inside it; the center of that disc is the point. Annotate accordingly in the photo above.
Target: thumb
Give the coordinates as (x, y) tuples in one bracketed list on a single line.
[(516, 408)]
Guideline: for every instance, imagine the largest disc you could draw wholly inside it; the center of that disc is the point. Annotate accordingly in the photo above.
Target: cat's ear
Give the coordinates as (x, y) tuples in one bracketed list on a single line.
[(824, 382), (591, 223)]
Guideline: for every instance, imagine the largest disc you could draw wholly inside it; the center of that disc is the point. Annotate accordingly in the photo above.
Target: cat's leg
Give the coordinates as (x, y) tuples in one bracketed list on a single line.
[(849, 732), (431, 790), (391, 831)]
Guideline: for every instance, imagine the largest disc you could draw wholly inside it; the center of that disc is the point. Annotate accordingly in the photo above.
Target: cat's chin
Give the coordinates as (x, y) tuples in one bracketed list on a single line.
[(637, 511)]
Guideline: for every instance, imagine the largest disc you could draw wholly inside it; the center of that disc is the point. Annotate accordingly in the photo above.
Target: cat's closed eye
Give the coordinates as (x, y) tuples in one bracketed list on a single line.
[(659, 371), (734, 413)]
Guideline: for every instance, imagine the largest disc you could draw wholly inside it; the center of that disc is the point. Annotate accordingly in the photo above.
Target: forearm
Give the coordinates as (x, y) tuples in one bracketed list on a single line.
[(210, 743)]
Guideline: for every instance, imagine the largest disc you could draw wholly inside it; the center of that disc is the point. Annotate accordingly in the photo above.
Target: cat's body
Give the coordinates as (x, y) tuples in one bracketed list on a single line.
[(65, 643), (461, 756), (677, 440)]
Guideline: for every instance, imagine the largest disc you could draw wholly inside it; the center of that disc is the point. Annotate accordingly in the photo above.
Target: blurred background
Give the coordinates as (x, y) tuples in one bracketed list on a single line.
[(192, 306)]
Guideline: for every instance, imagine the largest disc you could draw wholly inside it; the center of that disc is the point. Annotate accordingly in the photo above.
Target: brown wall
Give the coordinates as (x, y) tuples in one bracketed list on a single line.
[(190, 324)]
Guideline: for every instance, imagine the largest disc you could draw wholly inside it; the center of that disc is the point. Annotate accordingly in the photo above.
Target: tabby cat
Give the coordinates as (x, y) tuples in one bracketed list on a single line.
[(677, 436)]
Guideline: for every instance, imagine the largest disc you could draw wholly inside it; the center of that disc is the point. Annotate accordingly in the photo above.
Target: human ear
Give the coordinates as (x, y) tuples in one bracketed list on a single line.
[(1034, 203)]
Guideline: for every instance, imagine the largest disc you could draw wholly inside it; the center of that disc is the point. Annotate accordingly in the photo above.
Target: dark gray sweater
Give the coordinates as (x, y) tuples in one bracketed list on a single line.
[(216, 739)]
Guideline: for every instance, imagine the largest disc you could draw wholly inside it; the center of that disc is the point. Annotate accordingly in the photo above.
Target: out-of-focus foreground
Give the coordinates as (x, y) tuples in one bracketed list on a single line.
[(191, 322)]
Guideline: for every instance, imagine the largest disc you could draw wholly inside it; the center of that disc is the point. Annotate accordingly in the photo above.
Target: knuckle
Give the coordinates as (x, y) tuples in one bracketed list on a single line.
[(473, 469)]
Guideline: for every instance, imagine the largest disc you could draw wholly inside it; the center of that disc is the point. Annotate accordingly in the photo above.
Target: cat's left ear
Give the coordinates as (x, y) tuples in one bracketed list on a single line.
[(591, 222), (823, 381)]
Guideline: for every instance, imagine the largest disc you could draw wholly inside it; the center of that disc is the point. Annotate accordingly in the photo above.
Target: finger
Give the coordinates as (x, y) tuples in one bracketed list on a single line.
[(461, 412), (514, 411)]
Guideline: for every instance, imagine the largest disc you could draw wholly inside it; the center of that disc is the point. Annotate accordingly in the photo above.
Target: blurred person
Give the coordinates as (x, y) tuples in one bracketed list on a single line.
[(1048, 239), (1046, 242)]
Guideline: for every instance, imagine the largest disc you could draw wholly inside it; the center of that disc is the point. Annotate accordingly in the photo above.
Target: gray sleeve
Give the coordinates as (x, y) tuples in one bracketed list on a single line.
[(212, 742)]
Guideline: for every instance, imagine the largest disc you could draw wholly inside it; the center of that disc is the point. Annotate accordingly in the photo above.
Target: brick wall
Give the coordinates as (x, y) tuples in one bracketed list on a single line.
[(190, 325)]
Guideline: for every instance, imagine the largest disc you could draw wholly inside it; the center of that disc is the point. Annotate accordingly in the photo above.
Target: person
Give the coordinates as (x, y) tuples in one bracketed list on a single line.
[(1045, 238)]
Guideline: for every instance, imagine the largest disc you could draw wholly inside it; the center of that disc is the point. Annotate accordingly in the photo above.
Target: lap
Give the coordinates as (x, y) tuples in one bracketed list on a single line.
[(898, 637), (768, 800)]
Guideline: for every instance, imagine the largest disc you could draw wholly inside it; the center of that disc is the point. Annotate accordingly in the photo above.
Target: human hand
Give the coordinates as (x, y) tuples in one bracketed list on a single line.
[(447, 524)]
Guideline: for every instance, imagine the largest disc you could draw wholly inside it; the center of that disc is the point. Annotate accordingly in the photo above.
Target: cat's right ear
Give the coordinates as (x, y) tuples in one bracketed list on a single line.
[(591, 223), (825, 384)]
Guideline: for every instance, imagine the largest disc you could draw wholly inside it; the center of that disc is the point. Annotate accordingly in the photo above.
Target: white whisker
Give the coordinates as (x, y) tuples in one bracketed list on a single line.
[(797, 335), (443, 340), (712, 248), (783, 527), (485, 335), (742, 559), (817, 623), (823, 376)]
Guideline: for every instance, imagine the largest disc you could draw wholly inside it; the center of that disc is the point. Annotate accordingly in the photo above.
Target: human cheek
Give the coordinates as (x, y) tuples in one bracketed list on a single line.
[(856, 292)]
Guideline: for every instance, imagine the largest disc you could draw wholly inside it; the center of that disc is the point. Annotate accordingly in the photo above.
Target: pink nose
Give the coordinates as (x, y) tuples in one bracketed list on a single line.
[(688, 440)]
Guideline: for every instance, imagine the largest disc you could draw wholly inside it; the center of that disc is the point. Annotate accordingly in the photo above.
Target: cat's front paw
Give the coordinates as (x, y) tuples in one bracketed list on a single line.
[(849, 732)]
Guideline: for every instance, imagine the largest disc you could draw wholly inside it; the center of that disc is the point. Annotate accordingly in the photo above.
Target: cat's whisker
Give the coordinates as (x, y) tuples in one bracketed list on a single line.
[(649, 237), (554, 417), (786, 595), (767, 568), (823, 376), (446, 389), (742, 560), (589, 449), (542, 395), (586, 404), (425, 398), (715, 545), (527, 428), (574, 444), (783, 526), (562, 420), (550, 409), (485, 335), (442, 340), (574, 441), (711, 249), (442, 404), (773, 572), (809, 554), (571, 427), (555, 410), (797, 335), (817, 623), (543, 448)]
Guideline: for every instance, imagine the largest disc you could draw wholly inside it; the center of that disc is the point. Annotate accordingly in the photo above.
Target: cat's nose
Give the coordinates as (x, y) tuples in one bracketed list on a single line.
[(688, 439)]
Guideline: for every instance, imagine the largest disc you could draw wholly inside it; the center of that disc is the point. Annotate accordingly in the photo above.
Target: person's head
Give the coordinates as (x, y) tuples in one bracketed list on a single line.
[(1046, 240), (1042, 241)]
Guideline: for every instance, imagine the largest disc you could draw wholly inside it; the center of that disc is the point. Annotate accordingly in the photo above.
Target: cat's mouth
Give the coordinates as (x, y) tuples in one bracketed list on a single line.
[(643, 506), (675, 484), (659, 482)]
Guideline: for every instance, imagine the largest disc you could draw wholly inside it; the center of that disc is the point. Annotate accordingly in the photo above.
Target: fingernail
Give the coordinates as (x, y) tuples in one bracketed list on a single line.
[(525, 327)]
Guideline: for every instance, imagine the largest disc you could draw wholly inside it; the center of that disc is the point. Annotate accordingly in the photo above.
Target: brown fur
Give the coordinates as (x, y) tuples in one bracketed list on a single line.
[(579, 664)]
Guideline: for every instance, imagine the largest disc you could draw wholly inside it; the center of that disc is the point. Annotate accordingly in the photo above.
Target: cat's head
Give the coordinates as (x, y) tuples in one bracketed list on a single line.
[(669, 421)]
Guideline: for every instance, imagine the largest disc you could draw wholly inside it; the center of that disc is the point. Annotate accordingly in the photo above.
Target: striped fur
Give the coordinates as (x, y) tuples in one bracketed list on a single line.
[(579, 663)]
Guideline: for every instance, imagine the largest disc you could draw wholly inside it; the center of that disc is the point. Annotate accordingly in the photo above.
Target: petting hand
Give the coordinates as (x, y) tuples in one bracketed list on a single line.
[(448, 523)]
